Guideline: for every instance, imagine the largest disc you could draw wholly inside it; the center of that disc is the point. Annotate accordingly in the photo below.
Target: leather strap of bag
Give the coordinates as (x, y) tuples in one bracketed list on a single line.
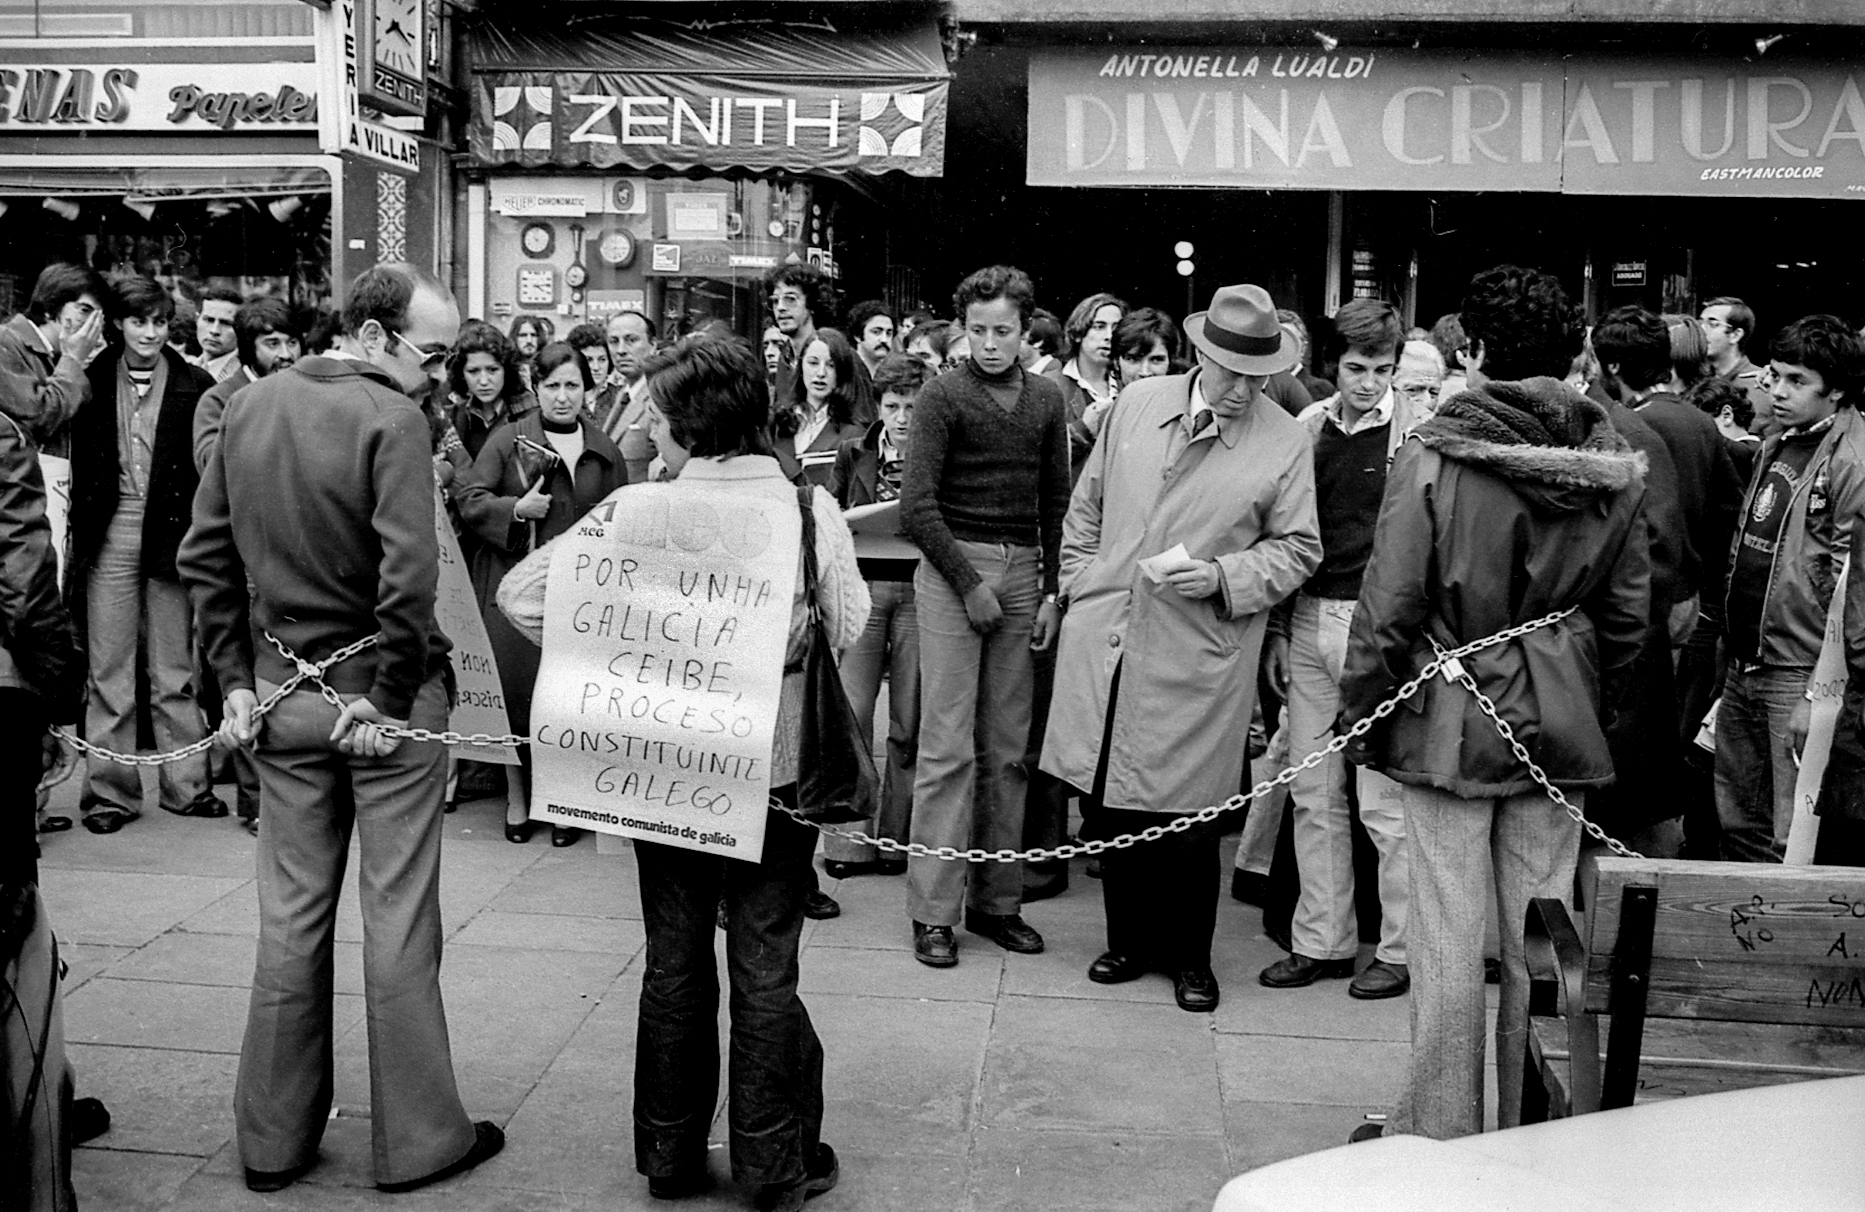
[(807, 503)]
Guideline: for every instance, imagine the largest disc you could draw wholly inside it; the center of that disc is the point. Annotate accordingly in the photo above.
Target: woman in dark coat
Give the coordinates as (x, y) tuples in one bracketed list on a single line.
[(823, 411), (531, 482)]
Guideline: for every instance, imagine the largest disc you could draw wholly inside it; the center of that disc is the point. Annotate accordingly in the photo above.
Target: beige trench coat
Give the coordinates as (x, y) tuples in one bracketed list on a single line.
[(1245, 499)]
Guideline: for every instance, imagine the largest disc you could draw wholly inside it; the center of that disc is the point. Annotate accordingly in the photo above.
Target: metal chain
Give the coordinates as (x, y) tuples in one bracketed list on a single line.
[(1446, 662), (1454, 669), (312, 671)]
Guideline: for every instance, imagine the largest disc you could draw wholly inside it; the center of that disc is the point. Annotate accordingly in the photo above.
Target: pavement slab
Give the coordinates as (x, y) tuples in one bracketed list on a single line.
[(1104, 1171), (161, 1100), (1009, 1082)]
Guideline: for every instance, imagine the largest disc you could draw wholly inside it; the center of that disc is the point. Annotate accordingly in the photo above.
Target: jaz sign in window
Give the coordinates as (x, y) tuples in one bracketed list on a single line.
[(159, 96)]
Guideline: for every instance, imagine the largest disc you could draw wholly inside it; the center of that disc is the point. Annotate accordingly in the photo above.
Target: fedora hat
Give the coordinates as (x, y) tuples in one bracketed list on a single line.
[(1240, 332)]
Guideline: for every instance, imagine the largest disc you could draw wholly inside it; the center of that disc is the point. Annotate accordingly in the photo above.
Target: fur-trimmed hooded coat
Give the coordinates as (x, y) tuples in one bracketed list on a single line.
[(1516, 501)]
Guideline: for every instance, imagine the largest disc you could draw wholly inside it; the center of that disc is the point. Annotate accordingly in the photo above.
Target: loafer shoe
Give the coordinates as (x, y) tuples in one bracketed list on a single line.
[(820, 905), (934, 946), (89, 1119), (1196, 990), (108, 820), (823, 1172), (681, 1184), (1298, 970), (1113, 968), (267, 1181), (206, 805), (488, 1139), (1007, 930), (1380, 980)]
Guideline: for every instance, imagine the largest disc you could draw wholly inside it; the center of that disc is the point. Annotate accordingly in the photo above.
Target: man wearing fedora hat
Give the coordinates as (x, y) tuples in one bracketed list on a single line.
[(1194, 515)]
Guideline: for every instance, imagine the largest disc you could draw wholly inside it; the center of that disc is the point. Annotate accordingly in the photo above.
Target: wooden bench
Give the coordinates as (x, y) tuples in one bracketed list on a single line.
[(1704, 977)]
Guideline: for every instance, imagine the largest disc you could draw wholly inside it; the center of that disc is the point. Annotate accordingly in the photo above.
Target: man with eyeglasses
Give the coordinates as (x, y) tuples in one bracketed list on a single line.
[(1728, 323), (320, 495)]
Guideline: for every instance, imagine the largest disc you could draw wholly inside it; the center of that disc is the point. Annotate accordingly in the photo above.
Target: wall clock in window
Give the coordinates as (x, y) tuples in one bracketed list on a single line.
[(616, 247), (537, 286), (538, 240)]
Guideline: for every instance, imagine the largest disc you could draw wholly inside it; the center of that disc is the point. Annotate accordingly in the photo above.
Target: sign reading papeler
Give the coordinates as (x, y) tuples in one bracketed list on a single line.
[(666, 620)]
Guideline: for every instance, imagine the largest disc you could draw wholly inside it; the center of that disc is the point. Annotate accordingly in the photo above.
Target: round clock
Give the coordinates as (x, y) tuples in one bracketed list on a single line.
[(575, 276), (617, 247), (538, 240)]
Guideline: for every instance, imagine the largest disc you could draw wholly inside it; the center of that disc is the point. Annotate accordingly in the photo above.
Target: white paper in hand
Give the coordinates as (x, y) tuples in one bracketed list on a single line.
[(1158, 567)]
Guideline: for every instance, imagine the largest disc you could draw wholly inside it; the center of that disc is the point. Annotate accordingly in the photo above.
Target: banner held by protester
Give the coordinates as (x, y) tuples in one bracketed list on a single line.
[(665, 632), (479, 703)]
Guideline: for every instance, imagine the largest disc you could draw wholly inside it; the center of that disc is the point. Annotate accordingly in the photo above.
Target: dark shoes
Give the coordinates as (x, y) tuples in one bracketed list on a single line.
[(561, 837), (820, 905), (207, 805), (1113, 968), (680, 1185), (89, 1119), (836, 869), (1196, 990), (267, 1181), (1366, 1132), (1380, 980), (1250, 887), (1007, 930), (934, 946), (1298, 970), (788, 1197), (108, 820), (520, 833), (488, 1139)]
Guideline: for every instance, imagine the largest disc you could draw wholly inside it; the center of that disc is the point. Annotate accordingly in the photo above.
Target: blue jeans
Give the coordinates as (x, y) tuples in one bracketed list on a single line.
[(1755, 770), (775, 1098), (890, 645), (975, 693), (122, 604)]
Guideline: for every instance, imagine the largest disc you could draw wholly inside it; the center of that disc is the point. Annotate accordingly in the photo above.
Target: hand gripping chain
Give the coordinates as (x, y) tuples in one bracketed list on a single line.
[(1447, 664)]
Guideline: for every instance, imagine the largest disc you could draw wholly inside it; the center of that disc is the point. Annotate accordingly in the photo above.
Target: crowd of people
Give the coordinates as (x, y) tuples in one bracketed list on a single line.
[(1149, 553)]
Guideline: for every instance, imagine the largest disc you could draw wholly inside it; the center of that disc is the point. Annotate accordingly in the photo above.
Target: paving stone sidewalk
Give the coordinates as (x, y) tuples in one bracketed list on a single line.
[(1009, 1082)]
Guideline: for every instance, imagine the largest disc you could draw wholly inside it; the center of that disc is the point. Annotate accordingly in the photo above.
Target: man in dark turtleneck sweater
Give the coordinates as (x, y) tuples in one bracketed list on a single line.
[(984, 493)]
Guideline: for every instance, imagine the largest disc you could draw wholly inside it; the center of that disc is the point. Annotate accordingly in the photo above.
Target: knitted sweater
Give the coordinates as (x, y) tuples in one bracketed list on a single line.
[(841, 592), (977, 472)]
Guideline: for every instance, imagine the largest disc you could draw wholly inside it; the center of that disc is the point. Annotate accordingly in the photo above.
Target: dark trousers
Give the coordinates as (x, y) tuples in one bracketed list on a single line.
[(1161, 897), (776, 1059)]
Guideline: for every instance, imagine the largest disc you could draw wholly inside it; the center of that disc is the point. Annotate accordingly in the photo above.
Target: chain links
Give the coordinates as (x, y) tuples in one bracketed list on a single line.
[(1446, 663)]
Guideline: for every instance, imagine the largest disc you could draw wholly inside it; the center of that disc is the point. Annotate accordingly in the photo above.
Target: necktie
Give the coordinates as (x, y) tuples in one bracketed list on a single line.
[(1203, 421)]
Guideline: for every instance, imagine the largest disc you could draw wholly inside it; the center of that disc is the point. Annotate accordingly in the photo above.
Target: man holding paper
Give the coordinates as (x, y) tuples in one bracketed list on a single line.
[(1194, 515)]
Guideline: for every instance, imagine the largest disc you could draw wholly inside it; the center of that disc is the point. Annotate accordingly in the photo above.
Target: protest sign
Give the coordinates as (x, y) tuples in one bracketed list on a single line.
[(666, 620), (1825, 693), (57, 472), (479, 702)]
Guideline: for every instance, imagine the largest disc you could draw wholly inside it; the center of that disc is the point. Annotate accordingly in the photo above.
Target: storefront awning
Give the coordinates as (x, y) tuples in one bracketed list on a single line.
[(639, 94), (165, 184)]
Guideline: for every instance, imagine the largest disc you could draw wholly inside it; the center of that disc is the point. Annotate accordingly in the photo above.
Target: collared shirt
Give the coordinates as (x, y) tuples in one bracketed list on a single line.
[(891, 464), (1103, 391), (1184, 425), (810, 429), (220, 367), (1379, 414), (139, 402)]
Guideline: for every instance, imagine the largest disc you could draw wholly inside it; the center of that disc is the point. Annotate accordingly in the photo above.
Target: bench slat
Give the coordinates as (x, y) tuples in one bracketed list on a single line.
[(1749, 941), (1684, 1058)]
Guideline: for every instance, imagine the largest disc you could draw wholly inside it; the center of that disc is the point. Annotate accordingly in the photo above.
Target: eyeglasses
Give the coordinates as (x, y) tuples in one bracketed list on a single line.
[(1711, 322), (432, 354)]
